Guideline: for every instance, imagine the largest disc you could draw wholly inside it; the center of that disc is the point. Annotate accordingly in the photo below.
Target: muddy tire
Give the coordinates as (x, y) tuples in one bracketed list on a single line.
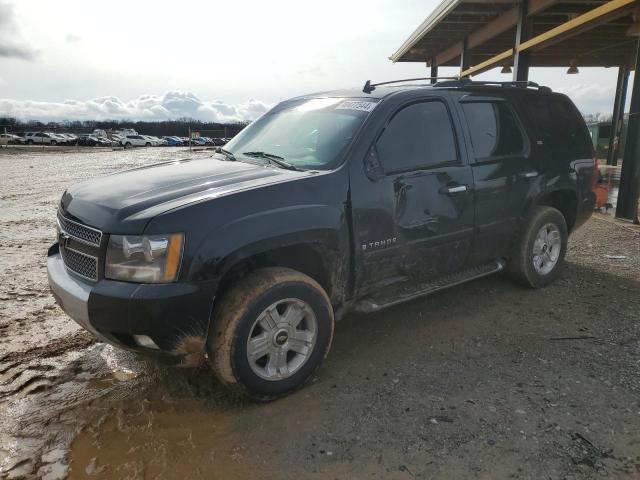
[(539, 250), (270, 332)]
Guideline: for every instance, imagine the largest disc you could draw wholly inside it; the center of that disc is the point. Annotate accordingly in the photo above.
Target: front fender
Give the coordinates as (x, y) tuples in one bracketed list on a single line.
[(322, 225)]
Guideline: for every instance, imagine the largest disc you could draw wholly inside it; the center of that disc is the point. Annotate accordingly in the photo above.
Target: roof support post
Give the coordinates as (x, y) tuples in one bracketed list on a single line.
[(434, 70), (629, 192), (618, 115), (524, 31), (464, 56)]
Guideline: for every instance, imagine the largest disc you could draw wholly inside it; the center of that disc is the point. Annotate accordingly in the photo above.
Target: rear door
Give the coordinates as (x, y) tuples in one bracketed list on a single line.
[(421, 217), (504, 171)]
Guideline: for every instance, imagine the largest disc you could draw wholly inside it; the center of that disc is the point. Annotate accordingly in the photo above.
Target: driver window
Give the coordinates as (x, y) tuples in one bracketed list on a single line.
[(418, 136)]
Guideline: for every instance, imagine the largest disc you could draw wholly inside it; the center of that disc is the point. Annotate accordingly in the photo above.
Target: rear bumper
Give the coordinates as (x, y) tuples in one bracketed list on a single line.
[(174, 316)]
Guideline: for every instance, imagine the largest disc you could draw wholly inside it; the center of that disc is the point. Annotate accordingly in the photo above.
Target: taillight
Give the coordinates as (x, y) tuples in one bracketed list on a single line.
[(595, 175)]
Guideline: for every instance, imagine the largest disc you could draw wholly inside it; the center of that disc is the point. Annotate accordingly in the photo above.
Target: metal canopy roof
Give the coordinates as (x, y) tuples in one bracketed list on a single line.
[(489, 27)]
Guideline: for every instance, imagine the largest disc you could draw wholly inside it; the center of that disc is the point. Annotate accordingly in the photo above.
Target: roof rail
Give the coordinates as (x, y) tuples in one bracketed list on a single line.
[(466, 82), (457, 82), (370, 87)]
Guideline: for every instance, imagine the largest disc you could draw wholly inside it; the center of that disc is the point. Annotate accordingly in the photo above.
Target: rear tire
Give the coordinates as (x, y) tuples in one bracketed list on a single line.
[(53, 143), (147, 144), (270, 333), (539, 250)]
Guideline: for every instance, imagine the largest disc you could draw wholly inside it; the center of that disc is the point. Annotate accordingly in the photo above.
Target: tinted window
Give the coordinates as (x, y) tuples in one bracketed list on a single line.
[(559, 126), (418, 136), (494, 129)]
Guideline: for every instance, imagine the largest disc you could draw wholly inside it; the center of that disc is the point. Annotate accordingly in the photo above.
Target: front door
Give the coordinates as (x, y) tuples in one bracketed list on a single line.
[(423, 192)]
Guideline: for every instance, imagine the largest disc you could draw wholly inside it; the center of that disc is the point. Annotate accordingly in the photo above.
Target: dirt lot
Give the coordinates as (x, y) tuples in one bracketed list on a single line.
[(485, 380)]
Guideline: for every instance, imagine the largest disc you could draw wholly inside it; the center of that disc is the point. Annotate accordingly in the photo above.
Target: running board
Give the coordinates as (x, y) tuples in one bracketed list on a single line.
[(401, 295)]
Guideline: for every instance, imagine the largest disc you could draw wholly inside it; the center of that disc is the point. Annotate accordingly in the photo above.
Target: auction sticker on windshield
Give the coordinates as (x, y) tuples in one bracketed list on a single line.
[(355, 105)]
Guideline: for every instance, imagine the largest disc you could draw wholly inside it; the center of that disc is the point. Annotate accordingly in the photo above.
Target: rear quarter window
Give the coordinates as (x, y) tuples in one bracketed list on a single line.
[(559, 126), (494, 130)]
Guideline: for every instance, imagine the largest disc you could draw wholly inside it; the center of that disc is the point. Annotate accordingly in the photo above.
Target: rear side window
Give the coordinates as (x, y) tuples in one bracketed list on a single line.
[(559, 126), (494, 129), (418, 136)]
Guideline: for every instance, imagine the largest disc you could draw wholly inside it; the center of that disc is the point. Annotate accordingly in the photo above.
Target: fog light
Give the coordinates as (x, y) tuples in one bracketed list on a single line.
[(145, 341)]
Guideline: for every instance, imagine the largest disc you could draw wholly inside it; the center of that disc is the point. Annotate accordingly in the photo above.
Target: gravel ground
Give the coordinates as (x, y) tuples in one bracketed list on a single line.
[(485, 380)]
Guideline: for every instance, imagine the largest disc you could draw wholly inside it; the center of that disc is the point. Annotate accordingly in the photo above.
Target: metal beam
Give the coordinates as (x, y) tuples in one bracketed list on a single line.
[(629, 192), (481, 67), (464, 55), (434, 71), (618, 115), (586, 21), (501, 24), (591, 19), (524, 29)]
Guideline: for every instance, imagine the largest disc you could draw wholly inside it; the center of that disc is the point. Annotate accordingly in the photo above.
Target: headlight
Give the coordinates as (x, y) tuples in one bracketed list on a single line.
[(144, 259)]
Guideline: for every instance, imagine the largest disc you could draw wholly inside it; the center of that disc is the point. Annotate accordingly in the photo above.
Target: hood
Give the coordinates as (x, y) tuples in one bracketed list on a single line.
[(124, 202)]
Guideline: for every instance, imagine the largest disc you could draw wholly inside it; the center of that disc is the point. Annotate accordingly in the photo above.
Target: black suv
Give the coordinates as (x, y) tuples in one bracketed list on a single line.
[(329, 203)]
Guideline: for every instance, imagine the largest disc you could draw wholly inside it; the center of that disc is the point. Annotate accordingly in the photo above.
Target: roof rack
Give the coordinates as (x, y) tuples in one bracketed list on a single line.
[(457, 82), (370, 87), (467, 82)]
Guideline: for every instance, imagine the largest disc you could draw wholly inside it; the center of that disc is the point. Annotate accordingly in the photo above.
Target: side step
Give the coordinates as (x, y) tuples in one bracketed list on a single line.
[(401, 293)]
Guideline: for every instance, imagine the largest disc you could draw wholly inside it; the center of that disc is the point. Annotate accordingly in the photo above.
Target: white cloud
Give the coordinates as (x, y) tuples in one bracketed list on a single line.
[(12, 43), (72, 38), (172, 105), (591, 98)]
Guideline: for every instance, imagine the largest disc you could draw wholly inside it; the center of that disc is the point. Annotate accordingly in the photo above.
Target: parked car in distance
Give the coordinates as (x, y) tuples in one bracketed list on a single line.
[(135, 141), (9, 139), (173, 141), (40, 138), (59, 138), (90, 140), (352, 200), (71, 138), (199, 141), (155, 141)]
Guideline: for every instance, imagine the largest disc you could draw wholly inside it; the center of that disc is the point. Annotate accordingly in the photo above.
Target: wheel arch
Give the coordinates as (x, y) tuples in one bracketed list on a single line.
[(565, 200), (317, 260)]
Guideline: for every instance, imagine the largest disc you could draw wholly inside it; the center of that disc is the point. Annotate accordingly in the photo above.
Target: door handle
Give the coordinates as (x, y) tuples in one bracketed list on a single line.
[(454, 189), (531, 174)]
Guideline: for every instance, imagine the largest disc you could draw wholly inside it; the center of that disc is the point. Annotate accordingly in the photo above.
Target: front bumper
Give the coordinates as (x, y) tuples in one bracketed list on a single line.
[(175, 316)]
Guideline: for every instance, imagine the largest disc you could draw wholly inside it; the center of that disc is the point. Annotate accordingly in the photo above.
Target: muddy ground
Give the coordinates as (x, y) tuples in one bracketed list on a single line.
[(485, 380)]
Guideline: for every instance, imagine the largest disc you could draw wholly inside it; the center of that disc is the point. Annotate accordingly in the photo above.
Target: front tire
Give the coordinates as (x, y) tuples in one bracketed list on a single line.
[(539, 251), (271, 331)]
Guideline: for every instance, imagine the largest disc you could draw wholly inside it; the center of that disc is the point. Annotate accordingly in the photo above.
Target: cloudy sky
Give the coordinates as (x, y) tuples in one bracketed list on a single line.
[(78, 59)]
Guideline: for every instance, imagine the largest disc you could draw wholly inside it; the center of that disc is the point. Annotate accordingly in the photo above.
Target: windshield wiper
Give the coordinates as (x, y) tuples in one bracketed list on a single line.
[(226, 153), (271, 158)]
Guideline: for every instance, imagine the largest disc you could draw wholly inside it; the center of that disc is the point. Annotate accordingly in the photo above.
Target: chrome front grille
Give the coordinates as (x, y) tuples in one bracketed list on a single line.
[(80, 263), (80, 232)]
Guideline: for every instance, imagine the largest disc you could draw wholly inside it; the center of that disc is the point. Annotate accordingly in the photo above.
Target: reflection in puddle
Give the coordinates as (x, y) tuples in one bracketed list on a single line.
[(177, 431), (607, 188)]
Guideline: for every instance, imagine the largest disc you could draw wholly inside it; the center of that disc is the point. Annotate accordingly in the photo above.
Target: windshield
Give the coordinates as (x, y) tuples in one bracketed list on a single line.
[(306, 133)]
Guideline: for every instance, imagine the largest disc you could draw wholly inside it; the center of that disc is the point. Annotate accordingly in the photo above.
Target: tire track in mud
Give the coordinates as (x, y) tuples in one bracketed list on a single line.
[(53, 376), (48, 394)]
